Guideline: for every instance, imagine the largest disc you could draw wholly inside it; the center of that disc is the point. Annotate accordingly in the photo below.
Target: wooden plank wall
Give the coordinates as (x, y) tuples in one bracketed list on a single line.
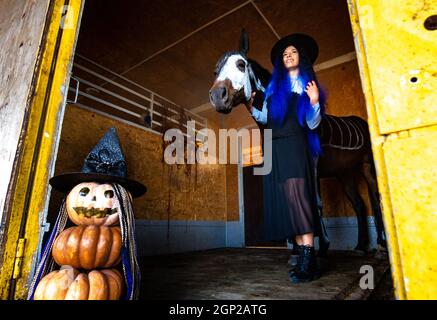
[(176, 192), (21, 29)]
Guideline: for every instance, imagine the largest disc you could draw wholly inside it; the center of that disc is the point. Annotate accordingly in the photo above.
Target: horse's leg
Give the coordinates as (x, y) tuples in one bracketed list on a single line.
[(370, 176), (323, 237), (349, 183)]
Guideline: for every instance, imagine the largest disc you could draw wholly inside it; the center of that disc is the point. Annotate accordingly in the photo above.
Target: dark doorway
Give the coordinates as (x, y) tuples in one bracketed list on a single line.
[(253, 207)]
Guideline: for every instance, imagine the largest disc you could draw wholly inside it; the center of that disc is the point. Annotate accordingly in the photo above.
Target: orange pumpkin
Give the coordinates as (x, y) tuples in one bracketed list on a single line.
[(88, 247), (69, 284), (92, 203)]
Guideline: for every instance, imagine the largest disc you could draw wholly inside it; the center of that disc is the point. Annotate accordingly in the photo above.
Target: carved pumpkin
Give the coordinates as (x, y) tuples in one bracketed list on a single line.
[(91, 203), (88, 247), (69, 284)]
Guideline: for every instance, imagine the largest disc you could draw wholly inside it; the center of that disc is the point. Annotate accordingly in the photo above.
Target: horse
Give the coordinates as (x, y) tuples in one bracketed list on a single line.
[(346, 146)]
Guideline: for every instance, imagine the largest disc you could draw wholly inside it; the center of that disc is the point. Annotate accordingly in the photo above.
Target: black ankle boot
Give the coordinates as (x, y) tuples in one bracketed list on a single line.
[(306, 269), (295, 258)]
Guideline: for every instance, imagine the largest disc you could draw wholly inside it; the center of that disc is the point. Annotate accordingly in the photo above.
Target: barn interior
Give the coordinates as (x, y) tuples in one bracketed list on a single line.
[(146, 66)]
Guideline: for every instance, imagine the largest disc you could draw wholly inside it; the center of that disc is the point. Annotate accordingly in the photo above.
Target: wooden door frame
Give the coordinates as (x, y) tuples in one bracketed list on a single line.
[(29, 195)]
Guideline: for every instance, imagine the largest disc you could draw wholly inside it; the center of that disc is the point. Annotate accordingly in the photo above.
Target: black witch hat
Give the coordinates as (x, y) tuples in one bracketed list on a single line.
[(104, 164), (304, 43)]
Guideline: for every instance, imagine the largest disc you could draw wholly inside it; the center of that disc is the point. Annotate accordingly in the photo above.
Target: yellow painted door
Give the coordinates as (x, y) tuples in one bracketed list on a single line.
[(396, 44), (40, 138)]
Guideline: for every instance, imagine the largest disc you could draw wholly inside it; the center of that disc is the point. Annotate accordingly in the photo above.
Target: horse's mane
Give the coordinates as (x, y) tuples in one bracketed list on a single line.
[(260, 72), (264, 76)]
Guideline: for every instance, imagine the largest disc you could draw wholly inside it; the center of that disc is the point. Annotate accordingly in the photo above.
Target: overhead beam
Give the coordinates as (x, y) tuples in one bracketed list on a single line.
[(335, 61), (186, 36), (265, 20)]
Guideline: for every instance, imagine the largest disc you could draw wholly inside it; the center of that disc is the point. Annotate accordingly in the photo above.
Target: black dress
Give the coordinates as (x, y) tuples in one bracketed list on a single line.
[(290, 203)]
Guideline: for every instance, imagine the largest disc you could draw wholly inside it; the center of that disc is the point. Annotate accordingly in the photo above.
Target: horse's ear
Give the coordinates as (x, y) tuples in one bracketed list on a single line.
[(244, 41)]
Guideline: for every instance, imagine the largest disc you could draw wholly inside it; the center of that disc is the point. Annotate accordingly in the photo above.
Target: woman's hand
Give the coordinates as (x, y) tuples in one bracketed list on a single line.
[(312, 92), (249, 104)]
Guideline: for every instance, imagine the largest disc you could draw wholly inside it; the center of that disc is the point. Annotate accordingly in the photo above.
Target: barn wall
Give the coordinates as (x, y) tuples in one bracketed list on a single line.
[(177, 192), (343, 88), (216, 121), (232, 199), (184, 208)]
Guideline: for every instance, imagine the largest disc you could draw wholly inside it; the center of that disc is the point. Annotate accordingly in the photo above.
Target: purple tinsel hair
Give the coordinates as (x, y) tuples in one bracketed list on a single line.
[(278, 93)]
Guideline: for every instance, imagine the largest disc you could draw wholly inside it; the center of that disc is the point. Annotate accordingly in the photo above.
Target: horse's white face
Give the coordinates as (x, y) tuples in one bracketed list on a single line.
[(237, 71), (232, 84)]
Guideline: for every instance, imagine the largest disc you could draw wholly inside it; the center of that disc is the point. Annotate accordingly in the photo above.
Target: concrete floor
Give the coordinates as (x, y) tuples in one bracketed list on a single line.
[(257, 274)]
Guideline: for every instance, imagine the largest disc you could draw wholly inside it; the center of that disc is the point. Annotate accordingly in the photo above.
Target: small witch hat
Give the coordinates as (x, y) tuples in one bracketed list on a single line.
[(104, 164)]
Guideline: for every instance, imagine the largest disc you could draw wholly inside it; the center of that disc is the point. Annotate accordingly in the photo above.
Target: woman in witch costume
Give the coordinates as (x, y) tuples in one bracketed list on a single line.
[(100, 199), (293, 106)]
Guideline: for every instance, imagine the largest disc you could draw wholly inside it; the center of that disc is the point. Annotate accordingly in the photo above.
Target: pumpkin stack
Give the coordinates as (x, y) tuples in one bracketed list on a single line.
[(89, 251), (99, 198)]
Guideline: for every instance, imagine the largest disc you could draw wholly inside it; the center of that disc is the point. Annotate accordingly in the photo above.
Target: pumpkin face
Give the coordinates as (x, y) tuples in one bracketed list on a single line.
[(91, 203), (69, 284), (88, 247)]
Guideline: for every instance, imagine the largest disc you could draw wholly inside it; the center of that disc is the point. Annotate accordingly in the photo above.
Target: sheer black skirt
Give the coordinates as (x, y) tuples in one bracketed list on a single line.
[(290, 200)]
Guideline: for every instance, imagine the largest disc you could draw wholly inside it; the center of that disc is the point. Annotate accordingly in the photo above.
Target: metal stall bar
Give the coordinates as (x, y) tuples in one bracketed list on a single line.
[(121, 98), (194, 115), (151, 101)]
